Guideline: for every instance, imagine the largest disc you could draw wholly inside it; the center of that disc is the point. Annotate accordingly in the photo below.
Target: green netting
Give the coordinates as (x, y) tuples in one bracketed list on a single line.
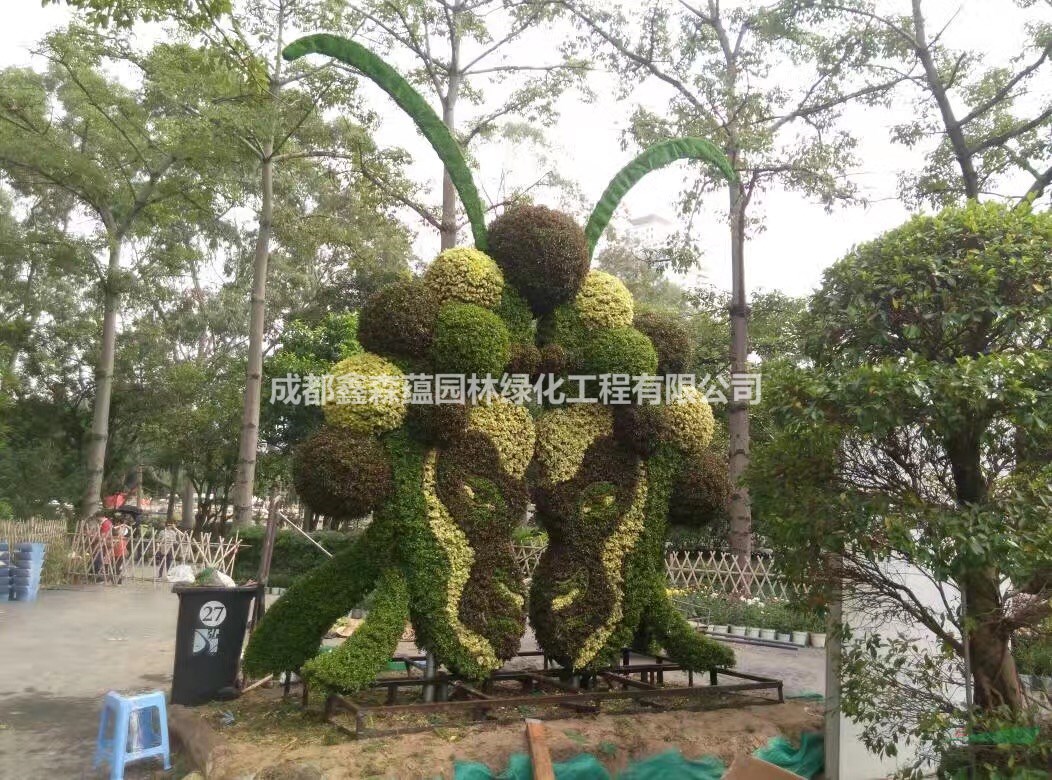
[(410, 101), (807, 760), (582, 767), (671, 765)]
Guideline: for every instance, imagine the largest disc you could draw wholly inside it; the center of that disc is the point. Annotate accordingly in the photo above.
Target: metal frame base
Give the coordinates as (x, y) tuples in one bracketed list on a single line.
[(582, 694)]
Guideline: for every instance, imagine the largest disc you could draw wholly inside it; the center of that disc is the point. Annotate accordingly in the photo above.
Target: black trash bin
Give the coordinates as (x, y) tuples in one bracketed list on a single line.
[(208, 639)]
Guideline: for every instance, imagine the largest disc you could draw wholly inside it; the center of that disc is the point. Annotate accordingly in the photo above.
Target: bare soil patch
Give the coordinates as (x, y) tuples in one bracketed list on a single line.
[(272, 738)]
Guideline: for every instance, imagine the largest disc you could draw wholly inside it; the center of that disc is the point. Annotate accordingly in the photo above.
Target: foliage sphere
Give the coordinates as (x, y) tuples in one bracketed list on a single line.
[(670, 340), (465, 275), (543, 253), (619, 351), (399, 320), (340, 475), (688, 421), (470, 340), (376, 395), (604, 302), (701, 492)]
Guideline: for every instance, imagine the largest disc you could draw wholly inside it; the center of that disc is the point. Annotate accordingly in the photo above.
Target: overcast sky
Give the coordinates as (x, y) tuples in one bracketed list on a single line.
[(799, 238)]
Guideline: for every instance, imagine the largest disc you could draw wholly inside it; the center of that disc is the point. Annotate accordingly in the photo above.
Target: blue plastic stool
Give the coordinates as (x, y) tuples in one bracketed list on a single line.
[(117, 714)]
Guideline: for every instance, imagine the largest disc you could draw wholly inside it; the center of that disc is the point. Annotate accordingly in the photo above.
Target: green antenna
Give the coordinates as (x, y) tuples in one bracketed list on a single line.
[(652, 158), (437, 134)]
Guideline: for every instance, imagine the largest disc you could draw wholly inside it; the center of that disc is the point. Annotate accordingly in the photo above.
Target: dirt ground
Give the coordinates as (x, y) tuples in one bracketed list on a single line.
[(60, 655), (274, 740)]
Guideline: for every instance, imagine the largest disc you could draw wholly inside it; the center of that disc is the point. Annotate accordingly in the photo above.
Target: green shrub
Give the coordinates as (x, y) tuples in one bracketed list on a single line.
[(291, 631), (356, 663), (619, 351), (701, 492), (516, 314), (399, 320), (669, 337), (465, 275), (543, 253), (604, 302), (293, 555), (470, 340), (340, 475)]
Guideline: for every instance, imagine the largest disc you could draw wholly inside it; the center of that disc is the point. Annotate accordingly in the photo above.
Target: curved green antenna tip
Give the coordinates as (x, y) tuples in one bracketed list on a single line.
[(410, 101), (654, 157)]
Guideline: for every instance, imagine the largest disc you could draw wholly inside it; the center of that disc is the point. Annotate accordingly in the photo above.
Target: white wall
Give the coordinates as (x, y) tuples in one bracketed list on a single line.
[(846, 757)]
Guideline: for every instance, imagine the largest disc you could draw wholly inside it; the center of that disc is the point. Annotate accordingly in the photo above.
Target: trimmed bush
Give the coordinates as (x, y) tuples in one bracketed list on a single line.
[(563, 328), (465, 275), (701, 492), (377, 395), (470, 340), (399, 320), (670, 339), (689, 423), (524, 359), (365, 653), (293, 555), (291, 631), (604, 302), (516, 314), (619, 351), (437, 424), (509, 428), (340, 475), (553, 360), (543, 253), (639, 429)]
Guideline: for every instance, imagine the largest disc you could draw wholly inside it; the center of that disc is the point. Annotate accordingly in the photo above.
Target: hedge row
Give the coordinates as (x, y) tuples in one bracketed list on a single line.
[(293, 554)]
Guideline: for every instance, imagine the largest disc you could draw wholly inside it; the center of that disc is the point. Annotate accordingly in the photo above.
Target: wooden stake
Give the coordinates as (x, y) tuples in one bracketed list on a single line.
[(539, 754)]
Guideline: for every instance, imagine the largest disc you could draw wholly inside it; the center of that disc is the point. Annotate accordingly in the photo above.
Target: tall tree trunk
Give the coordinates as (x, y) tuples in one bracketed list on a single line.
[(989, 650), (449, 106), (249, 441), (100, 417), (173, 490), (186, 522), (738, 417)]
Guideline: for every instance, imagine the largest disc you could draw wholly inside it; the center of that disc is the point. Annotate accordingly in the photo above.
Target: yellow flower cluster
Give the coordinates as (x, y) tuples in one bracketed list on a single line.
[(465, 275), (604, 302), (510, 428), (370, 395), (564, 435), (619, 544), (688, 421), (458, 552)]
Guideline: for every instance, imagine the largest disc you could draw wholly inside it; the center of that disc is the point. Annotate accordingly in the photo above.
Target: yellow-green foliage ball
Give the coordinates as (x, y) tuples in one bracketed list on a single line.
[(604, 302), (465, 275), (564, 435), (370, 395), (688, 421)]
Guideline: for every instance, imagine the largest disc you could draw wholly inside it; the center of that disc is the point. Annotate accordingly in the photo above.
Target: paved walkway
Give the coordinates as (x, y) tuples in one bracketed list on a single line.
[(60, 655)]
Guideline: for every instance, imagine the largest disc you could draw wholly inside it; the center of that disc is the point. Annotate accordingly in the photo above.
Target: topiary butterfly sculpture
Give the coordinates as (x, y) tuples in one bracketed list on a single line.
[(449, 482)]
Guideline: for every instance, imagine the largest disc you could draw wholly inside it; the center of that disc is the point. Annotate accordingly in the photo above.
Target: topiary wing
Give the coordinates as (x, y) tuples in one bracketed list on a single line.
[(652, 158), (410, 101)]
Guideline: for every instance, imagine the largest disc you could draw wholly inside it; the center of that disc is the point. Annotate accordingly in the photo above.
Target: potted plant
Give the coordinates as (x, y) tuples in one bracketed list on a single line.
[(766, 628), (816, 626), (736, 619), (753, 619), (717, 615), (780, 620)]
